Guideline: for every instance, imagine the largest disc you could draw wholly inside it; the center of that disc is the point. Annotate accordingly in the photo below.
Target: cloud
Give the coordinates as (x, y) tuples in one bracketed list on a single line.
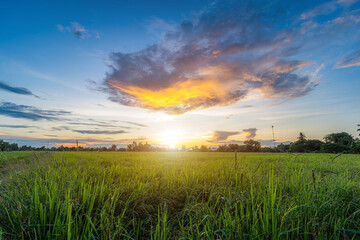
[(350, 60), (17, 90), (16, 126), (135, 123), (29, 112), (99, 125), (60, 128), (250, 133), (222, 135), (226, 51), (99, 132), (78, 30)]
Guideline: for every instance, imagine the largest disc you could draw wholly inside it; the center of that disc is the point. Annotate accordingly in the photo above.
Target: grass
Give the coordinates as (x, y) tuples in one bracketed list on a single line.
[(81, 195)]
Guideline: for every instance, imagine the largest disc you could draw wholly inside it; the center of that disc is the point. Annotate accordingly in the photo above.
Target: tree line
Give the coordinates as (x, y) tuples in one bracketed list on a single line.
[(333, 143)]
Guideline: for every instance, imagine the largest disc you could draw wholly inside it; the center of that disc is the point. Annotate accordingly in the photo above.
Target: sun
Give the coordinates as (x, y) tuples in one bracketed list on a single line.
[(171, 138)]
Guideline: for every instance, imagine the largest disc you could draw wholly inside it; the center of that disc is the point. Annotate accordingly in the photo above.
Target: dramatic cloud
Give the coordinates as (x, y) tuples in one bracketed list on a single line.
[(29, 112), (222, 135), (350, 60), (99, 132), (250, 133), (78, 30), (226, 51), (17, 90)]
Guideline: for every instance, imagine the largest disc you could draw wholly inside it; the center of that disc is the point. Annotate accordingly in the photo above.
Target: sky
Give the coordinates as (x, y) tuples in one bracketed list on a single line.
[(173, 73)]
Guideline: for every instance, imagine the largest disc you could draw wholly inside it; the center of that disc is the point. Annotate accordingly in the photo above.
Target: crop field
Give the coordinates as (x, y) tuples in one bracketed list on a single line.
[(141, 195)]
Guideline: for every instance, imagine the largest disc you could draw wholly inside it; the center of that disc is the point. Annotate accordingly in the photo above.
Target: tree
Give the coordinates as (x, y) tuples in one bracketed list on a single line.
[(302, 137), (252, 145), (113, 148), (304, 145), (283, 147), (203, 148), (341, 138), (4, 146), (334, 148)]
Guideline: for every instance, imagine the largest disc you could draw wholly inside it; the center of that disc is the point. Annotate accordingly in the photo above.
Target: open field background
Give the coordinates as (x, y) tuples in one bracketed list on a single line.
[(122, 195)]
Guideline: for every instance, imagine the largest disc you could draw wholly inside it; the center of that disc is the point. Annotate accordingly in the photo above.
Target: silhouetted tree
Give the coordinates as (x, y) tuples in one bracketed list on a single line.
[(252, 145), (342, 138)]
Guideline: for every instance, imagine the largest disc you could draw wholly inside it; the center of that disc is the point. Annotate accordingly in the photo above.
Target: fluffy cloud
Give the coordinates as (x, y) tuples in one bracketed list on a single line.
[(224, 52), (213, 59)]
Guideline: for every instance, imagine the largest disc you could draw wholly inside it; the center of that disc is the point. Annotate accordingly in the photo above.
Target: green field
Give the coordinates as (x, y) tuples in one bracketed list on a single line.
[(123, 195)]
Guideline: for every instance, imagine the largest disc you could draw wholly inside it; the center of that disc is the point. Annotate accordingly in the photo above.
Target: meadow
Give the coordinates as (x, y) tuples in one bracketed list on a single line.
[(179, 195)]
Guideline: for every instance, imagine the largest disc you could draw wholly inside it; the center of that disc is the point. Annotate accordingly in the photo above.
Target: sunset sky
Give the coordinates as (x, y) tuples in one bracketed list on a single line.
[(172, 72)]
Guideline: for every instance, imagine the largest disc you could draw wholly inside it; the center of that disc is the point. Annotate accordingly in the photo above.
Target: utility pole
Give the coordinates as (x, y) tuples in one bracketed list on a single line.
[(272, 126), (77, 144)]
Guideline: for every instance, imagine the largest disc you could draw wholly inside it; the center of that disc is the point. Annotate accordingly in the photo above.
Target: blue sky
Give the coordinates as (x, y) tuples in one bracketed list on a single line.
[(177, 72)]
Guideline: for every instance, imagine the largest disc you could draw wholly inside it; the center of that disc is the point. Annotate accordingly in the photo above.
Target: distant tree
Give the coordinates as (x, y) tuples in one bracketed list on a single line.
[(195, 149), (203, 148), (283, 147), (304, 145), (341, 138), (131, 147), (233, 147), (113, 147), (302, 137), (183, 148), (335, 148), (252, 145), (4, 146), (268, 149)]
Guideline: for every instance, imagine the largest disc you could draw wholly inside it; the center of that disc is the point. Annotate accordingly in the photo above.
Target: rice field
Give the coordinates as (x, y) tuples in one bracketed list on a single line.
[(124, 195)]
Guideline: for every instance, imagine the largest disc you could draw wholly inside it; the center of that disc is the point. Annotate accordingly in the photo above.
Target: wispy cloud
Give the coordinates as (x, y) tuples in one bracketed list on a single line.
[(99, 132), (29, 112), (17, 126), (78, 30), (135, 123), (351, 59), (17, 90)]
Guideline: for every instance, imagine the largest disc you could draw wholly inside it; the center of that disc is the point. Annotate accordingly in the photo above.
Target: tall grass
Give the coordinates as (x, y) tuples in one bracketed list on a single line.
[(183, 196)]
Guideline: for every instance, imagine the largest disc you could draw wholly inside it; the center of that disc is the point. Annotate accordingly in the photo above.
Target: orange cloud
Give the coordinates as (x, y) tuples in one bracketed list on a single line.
[(207, 89)]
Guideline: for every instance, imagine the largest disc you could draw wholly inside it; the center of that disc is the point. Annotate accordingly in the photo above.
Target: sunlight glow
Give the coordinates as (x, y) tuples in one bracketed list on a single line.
[(171, 138)]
